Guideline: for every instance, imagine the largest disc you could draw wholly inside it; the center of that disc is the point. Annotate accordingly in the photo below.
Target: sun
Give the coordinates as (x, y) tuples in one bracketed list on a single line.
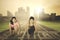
[(35, 10), (38, 10)]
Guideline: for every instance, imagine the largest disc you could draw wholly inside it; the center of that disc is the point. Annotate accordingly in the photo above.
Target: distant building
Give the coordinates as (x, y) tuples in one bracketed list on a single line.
[(44, 16), (53, 15), (16, 14), (57, 18), (28, 12), (36, 16), (9, 14), (47, 17), (22, 14)]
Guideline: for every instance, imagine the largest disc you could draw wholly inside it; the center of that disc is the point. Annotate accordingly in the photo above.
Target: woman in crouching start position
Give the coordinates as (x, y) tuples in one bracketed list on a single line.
[(14, 26), (31, 27)]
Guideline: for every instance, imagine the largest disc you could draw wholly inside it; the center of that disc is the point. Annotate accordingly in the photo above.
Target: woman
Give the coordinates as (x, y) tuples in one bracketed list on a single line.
[(31, 28), (13, 25)]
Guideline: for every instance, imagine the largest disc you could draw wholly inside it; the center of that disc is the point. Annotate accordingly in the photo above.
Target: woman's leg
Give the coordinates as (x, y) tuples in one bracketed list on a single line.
[(18, 31), (13, 32), (10, 31)]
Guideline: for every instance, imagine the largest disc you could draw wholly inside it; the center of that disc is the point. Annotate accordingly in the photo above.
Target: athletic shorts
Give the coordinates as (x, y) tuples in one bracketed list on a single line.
[(12, 28)]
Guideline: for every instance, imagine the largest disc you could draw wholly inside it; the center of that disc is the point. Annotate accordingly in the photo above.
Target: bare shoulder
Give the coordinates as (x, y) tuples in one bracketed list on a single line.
[(17, 22)]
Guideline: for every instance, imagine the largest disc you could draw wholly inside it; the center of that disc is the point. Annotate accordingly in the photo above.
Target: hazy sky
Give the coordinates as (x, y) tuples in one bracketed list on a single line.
[(13, 5)]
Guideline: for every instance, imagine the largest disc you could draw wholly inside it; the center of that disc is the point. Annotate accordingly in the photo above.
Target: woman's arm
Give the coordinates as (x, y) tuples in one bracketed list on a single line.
[(18, 25), (18, 28)]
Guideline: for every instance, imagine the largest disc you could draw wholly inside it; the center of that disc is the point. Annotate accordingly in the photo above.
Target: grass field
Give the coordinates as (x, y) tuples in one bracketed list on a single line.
[(53, 25), (4, 26)]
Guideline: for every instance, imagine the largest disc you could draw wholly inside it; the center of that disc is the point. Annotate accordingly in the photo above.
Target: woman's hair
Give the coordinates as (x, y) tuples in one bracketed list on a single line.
[(31, 18), (12, 21)]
